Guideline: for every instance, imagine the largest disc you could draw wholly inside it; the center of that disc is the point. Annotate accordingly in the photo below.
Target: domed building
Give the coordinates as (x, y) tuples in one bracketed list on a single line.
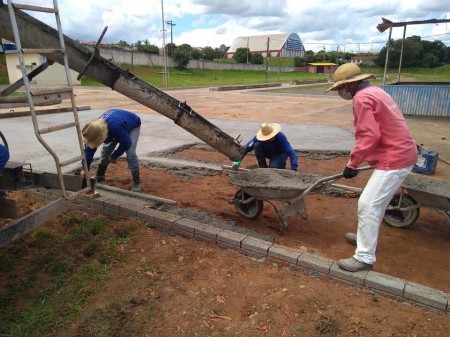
[(272, 45)]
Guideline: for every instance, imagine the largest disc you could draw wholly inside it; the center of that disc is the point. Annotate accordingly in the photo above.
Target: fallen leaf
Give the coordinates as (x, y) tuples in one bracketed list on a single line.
[(220, 299), (263, 328)]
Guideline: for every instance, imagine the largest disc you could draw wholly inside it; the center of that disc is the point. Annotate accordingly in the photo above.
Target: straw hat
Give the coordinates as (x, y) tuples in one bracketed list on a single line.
[(268, 131), (95, 133), (346, 73)]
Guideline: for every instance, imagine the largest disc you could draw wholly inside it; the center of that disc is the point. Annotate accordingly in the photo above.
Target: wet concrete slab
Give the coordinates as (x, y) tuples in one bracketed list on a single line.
[(158, 133)]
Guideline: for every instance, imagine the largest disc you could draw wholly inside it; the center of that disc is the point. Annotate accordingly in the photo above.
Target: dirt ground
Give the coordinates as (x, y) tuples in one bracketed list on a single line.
[(196, 289), (169, 285), (416, 253)]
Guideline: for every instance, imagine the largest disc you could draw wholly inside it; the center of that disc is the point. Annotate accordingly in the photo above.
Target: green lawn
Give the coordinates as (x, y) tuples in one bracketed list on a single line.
[(198, 78)]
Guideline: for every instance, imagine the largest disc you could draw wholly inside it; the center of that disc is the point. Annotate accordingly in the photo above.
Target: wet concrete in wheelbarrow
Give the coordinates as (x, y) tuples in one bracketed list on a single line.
[(431, 186), (273, 183)]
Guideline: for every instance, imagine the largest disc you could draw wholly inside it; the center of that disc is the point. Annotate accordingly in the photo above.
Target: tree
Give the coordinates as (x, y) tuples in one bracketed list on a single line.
[(242, 55), (209, 53), (300, 61), (223, 50), (122, 44), (170, 48), (257, 59), (146, 47), (436, 48), (430, 60), (196, 54), (416, 53), (182, 55)]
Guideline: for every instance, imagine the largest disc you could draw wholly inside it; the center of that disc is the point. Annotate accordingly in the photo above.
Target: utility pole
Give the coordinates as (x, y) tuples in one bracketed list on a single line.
[(248, 40), (171, 24), (165, 73), (267, 56)]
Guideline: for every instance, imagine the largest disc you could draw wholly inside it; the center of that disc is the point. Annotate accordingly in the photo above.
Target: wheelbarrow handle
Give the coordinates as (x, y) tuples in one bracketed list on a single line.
[(324, 180), (340, 175)]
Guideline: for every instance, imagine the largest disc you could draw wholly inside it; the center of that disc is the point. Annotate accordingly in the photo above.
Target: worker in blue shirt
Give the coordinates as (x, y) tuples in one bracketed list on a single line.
[(4, 156), (270, 143), (114, 127)]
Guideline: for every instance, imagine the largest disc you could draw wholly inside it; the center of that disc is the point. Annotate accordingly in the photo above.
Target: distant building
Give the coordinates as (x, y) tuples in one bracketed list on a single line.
[(363, 59), (318, 68), (277, 45), (53, 75)]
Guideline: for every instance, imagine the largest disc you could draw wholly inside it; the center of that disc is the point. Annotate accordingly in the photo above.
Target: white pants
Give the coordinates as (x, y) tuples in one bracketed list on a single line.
[(372, 204)]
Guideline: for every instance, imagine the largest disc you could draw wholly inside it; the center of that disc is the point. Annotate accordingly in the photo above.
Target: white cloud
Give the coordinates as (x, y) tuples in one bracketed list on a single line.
[(319, 23)]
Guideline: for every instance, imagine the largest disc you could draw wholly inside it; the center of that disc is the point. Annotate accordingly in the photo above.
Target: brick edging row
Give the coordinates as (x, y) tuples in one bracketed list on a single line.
[(258, 248)]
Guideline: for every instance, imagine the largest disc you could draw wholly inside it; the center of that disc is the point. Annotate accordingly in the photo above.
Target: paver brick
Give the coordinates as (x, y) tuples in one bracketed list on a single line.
[(357, 277), (261, 247), (251, 253), (207, 233), (229, 239), (315, 262), (186, 227), (428, 296), (148, 215), (284, 253), (386, 283), (165, 219), (353, 277), (129, 209)]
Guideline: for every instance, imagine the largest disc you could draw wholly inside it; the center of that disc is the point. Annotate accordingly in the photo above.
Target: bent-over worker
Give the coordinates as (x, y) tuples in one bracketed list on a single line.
[(270, 143), (114, 127)]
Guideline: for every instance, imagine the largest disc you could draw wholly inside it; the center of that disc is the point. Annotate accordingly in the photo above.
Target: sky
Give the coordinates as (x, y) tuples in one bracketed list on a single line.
[(330, 25)]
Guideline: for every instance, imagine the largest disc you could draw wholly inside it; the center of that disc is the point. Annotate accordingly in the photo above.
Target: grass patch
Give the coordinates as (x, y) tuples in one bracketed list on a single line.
[(48, 277), (179, 78), (208, 77)]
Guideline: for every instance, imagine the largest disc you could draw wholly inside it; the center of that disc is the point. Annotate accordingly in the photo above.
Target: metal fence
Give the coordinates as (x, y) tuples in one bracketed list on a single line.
[(420, 99)]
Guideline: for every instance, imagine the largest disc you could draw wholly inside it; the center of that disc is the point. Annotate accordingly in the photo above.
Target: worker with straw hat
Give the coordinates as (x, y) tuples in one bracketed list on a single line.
[(270, 143), (383, 139), (115, 128)]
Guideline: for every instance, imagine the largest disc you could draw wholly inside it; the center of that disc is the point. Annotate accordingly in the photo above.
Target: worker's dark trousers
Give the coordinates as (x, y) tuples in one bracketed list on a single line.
[(276, 159)]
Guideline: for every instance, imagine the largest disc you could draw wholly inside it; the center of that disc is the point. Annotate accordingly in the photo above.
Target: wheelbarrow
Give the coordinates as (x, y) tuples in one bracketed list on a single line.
[(267, 185), (416, 192)]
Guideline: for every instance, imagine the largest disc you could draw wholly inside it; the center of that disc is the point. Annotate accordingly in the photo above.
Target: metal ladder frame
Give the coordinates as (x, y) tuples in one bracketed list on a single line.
[(26, 82)]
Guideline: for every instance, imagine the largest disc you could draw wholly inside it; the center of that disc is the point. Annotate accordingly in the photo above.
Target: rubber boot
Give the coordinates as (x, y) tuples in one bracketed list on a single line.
[(101, 170), (136, 181)]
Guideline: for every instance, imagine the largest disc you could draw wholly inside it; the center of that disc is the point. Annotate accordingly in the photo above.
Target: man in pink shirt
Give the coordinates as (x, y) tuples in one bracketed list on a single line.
[(383, 139)]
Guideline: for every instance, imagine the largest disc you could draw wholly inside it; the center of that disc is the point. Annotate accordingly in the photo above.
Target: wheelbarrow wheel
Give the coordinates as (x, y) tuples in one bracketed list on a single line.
[(249, 210), (398, 218)]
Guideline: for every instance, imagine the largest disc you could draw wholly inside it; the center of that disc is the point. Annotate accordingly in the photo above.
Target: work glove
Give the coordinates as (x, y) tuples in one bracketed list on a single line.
[(349, 173), (235, 165)]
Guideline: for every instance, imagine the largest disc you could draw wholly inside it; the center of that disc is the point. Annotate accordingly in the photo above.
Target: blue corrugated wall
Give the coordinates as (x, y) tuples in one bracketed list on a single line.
[(421, 99)]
